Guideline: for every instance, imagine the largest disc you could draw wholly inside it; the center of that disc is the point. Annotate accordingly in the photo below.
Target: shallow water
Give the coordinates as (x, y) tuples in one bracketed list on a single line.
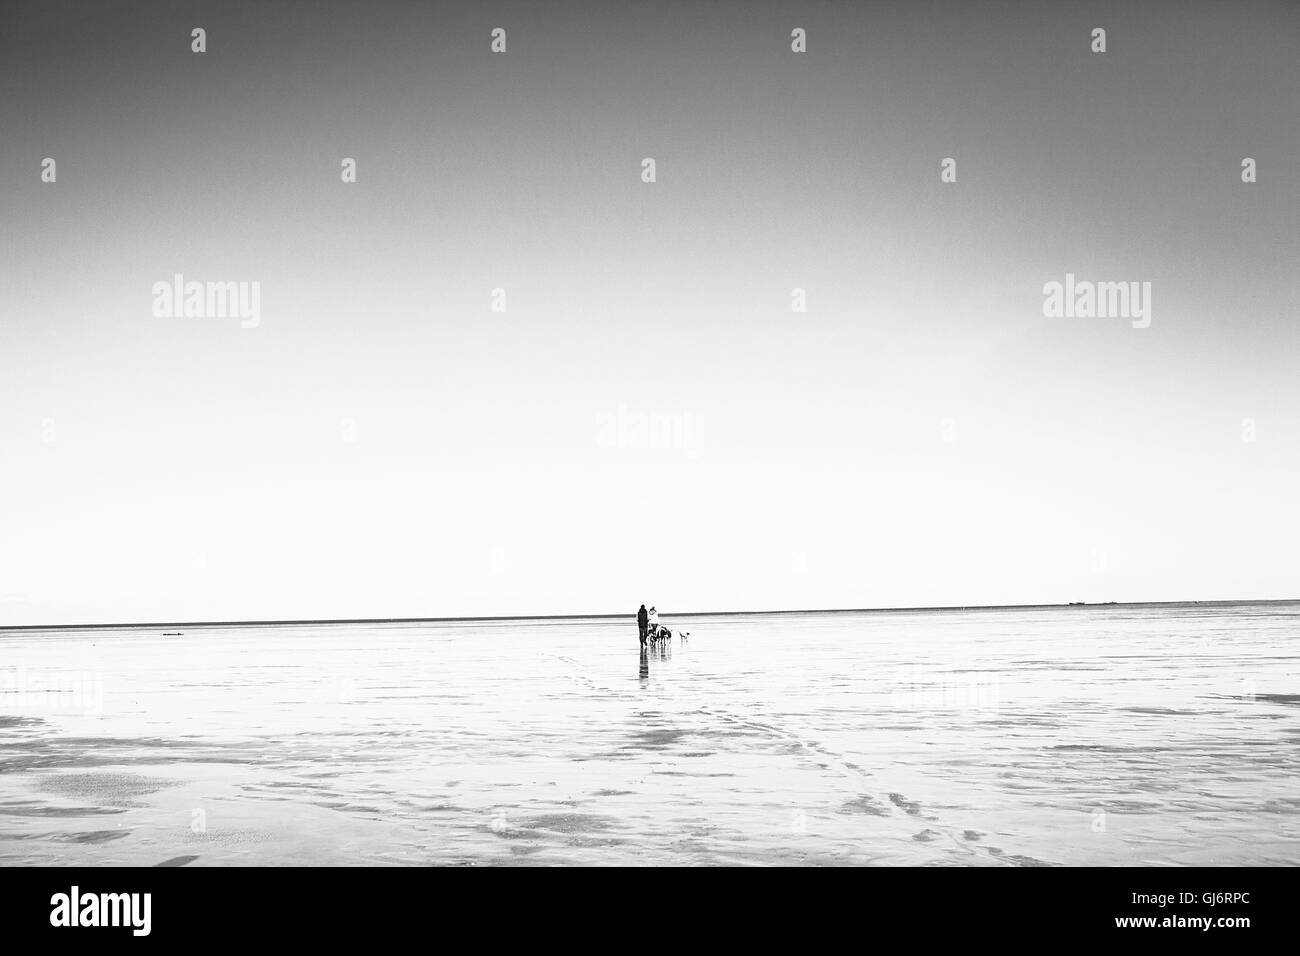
[(1150, 735)]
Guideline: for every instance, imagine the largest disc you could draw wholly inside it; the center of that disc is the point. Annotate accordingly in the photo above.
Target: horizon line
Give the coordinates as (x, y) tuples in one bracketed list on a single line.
[(592, 617)]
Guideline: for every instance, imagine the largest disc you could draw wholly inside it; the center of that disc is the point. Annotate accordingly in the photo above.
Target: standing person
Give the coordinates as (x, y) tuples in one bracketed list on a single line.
[(642, 623), (654, 621)]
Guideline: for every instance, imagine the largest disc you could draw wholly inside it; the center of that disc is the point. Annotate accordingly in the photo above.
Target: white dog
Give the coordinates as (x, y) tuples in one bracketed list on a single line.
[(662, 632)]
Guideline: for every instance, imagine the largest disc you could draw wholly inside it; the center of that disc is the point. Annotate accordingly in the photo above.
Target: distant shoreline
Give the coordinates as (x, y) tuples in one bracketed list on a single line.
[(1074, 605)]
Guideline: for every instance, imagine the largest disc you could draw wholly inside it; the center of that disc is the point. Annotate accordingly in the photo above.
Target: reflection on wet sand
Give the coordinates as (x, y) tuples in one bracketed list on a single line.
[(1015, 737)]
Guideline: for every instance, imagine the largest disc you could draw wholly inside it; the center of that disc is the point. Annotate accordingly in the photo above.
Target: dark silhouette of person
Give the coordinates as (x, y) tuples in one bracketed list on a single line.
[(642, 623)]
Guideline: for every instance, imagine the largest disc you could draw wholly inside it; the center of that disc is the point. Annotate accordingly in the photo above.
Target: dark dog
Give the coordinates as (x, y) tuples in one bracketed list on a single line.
[(662, 632)]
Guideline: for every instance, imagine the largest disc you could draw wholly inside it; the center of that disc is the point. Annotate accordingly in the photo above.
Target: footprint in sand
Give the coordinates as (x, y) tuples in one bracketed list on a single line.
[(910, 806), (864, 804)]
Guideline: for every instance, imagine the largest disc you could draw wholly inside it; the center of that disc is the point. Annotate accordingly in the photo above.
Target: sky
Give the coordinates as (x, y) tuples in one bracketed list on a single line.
[(650, 419)]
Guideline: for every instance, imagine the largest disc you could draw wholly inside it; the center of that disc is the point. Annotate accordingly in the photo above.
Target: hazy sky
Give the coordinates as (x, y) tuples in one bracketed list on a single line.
[(384, 444)]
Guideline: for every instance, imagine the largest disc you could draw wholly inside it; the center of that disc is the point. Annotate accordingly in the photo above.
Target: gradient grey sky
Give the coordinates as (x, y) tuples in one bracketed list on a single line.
[(198, 471)]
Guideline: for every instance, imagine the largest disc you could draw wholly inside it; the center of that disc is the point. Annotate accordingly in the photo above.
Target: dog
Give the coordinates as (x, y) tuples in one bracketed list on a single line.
[(662, 632)]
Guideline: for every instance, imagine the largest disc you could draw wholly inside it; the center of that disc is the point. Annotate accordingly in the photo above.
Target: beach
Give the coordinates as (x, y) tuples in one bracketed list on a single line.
[(1144, 735)]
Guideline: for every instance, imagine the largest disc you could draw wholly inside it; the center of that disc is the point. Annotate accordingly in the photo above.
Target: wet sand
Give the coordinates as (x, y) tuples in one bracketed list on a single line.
[(1158, 735)]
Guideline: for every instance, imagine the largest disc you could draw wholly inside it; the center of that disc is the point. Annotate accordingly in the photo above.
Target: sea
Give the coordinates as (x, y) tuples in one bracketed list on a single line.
[(1100, 735)]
